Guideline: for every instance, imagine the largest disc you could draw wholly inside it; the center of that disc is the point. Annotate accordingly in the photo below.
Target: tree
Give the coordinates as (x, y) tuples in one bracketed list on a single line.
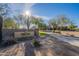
[(27, 22), (1, 20), (3, 12), (9, 23), (53, 24), (23, 20), (39, 22), (63, 21), (59, 22), (4, 9), (72, 26), (19, 20)]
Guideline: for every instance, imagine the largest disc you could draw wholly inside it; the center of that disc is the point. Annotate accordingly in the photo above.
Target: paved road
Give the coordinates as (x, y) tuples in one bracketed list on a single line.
[(72, 40)]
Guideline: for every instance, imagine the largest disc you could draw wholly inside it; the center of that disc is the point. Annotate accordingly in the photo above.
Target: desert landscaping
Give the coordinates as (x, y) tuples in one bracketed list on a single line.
[(51, 45), (39, 29)]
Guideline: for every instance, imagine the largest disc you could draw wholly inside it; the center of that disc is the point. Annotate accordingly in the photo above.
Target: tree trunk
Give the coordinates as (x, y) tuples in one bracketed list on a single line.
[(28, 23), (36, 34), (1, 22)]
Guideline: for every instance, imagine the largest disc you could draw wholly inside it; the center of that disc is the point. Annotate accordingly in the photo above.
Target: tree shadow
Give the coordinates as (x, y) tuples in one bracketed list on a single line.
[(29, 49), (67, 48)]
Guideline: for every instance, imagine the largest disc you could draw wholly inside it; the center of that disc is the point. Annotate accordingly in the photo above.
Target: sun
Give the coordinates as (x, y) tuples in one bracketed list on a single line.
[(28, 13)]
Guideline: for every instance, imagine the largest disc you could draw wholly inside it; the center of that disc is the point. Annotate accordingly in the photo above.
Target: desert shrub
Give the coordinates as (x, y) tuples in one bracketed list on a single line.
[(35, 43)]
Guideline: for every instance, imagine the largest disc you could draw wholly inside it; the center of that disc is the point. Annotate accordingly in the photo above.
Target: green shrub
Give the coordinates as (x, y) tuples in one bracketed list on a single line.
[(35, 43), (42, 34)]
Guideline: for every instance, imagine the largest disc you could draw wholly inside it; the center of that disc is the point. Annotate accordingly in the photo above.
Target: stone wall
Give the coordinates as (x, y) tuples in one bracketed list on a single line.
[(9, 33)]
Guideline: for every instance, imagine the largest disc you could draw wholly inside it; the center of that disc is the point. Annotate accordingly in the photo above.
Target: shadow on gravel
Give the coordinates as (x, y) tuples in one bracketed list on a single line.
[(8, 43), (68, 49), (60, 48), (29, 49), (22, 39)]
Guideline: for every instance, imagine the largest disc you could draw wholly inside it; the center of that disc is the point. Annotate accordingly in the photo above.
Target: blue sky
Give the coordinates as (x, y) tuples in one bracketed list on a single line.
[(49, 10)]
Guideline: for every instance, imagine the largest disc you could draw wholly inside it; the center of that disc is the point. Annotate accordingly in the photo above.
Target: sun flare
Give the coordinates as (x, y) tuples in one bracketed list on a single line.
[(28, 13)]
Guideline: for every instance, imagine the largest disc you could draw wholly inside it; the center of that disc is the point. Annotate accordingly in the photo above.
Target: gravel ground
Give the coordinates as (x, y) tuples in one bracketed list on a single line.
[(50, 46), (13, 50)]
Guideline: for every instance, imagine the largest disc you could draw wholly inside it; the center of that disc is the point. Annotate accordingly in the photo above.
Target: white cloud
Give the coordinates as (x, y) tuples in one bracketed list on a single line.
[(44, 17)]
